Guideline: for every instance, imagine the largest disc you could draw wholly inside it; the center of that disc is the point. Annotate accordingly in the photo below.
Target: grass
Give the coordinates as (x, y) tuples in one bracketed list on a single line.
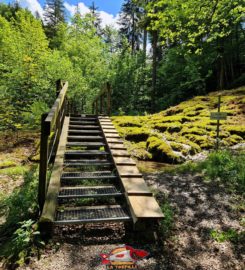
[(229, 235)]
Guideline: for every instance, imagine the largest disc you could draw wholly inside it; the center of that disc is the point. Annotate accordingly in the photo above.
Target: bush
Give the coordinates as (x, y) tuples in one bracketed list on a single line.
[(227, 168)]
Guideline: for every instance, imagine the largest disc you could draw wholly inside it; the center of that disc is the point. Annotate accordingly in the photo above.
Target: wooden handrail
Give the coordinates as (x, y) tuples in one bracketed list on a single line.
[(102, 103), (51, 125)]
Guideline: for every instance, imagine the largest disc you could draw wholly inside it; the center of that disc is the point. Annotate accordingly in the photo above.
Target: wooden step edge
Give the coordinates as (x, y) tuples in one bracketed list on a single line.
[(144, 208)]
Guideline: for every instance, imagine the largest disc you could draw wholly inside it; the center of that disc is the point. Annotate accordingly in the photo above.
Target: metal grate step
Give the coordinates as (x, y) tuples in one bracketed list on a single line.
[(86, 144), (87, 162), (87, 123), (88, 175), (84, 132), (88, 192), (84, 138), (80, 118), (78, 127), (86, 153), (108, 213)]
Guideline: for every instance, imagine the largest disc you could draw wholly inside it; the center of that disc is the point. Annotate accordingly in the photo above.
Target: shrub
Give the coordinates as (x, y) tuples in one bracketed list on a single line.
[(226, 167)]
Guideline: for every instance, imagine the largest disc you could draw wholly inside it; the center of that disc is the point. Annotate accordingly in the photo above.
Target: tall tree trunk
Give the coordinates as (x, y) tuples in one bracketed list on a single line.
[(144, 42), (154, 70), (133, 33)]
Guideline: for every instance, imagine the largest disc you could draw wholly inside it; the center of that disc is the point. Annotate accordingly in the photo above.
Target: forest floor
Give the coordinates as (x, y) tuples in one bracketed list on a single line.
[(199, 209), (205, 234)]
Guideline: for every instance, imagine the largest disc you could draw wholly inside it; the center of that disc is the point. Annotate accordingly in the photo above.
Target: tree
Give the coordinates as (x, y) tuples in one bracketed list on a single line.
[(129, 24), (192, 24), (54, 14), (96, 18)]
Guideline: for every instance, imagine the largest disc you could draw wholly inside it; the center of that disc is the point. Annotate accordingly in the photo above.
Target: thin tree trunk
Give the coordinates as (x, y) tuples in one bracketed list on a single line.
[(154, 69), (144, 42)]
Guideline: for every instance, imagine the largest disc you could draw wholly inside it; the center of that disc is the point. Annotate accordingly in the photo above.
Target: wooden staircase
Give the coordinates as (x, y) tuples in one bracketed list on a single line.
[(93, 178)]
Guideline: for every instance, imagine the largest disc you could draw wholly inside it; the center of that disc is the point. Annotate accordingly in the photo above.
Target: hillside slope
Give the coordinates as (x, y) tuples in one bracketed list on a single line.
[(182, 131)]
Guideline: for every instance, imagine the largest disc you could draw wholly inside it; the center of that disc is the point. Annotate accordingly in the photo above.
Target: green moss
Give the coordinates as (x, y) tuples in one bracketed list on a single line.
[(194, 130), (138, 150), (170, 127), (161, 151), (233, 139), (205, 142), (127, 121), (236, 130), (194, 148), (135, 134), (7, 164)]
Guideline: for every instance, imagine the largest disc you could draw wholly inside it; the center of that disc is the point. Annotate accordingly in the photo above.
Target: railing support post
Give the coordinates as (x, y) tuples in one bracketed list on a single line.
[(58, 87), (101, 104), (43, 162), (108, 98)]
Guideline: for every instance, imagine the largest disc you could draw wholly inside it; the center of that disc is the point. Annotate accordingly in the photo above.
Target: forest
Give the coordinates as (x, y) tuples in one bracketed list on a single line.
[(166, 62), (164, 52)]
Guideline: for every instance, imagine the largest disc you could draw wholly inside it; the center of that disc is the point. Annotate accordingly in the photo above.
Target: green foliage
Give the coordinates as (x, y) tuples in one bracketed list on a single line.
[(22, 203), (229, 235), (167, 224), (26, 241), (227, 168), (33, 117)]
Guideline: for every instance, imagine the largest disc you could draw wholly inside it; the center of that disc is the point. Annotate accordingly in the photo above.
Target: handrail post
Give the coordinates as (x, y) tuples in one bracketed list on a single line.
[(58, 87), (101, 104), (43, 162), (108, 87), (96, 107)]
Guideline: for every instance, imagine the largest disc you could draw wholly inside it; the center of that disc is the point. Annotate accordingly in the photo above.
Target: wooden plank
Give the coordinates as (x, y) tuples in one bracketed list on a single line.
[(136, 186), (145, 207), (117, 146), (53, 114), (124, 160), (111, 135), (114, 140), (111, 131), (125, 170), (120, 153), (48, 213)]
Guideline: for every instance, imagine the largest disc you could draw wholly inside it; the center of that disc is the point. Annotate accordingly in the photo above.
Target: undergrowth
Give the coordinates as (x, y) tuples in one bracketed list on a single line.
[(222, 166), (19, 236)]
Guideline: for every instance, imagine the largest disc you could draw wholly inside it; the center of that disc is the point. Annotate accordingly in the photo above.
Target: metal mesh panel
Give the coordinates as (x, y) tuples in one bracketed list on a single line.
[(92, 215), (88, 191)]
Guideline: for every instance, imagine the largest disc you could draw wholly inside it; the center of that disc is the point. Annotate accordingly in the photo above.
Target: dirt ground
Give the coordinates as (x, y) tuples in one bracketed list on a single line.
[(199, 207)]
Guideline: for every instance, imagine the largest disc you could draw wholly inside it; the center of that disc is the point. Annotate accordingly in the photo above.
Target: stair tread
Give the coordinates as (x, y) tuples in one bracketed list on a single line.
[(84, 127), (85, 131), (72, 122), (85, 144), (84, 137), (86, 191), (86, 152), (92, 214), (93, 173), (87, 161)]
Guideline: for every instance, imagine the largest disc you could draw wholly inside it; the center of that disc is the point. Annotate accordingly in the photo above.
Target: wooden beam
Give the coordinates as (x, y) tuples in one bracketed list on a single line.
[(48, 213), (53, 114)]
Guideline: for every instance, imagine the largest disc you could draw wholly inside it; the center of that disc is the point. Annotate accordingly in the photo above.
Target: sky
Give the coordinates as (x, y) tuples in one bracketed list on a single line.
[(108, 9)]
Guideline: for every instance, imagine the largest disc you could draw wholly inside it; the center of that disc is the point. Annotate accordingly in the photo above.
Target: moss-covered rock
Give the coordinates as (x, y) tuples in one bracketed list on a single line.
[(185, 129), (135, 134), (170, 127), (161, 150), (138, 150)]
